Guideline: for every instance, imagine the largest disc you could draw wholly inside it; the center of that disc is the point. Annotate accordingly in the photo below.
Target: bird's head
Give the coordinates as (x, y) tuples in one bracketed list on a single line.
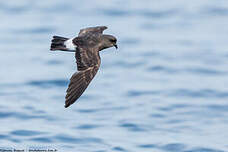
[(108, 41)]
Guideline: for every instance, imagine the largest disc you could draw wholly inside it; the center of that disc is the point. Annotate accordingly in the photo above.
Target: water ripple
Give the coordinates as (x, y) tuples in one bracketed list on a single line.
[(174, 147), (3, 136), (218, 11), (48, 83), (131, 127), (14, 9), (70, 139), (40, 30), (194, 70), (87, 126), (54, 62), (114, 12), (157, 115), (144, 13), (23, 116), (33, 110), (25, 133), (148, 146), (203, 150), (42, 140), (118, 149), (218, 108), (87, 110), (205, 71), (203, 93), (130, 41), (160, 68), (158, 14), (126, 64), (135, 93)]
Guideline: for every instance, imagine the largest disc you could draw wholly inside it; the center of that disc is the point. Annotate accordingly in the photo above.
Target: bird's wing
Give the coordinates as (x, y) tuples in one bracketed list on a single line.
[(88, 63), (97, 29)]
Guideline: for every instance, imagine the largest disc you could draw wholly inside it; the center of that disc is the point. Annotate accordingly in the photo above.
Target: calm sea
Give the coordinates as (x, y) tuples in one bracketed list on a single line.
[(164, 90)]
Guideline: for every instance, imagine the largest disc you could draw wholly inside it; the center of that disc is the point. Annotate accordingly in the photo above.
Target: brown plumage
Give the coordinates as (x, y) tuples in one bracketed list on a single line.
[(86, 47)]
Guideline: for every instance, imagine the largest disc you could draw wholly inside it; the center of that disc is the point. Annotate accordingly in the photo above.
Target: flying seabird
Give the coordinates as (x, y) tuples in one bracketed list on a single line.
[(86, 47)]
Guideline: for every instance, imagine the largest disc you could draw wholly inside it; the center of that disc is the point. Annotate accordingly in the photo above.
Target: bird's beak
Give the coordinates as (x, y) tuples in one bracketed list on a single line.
[(115, 45)]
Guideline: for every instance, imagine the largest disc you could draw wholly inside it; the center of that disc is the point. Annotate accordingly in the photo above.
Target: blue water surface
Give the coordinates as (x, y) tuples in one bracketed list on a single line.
[(164, 89)]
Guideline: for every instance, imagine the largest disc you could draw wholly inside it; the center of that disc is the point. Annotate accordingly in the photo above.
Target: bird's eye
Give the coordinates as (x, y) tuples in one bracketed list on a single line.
[(113, 40)]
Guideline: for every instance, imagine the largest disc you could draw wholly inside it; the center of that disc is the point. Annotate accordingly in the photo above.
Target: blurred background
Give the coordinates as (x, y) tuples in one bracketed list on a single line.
[(163, 90)]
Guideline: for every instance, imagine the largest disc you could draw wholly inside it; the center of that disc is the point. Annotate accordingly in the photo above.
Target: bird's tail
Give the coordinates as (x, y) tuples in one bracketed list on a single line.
[(57, 43)]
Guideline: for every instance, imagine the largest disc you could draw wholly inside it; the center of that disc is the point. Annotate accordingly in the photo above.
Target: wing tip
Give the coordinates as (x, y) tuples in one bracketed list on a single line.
[(67, 105)]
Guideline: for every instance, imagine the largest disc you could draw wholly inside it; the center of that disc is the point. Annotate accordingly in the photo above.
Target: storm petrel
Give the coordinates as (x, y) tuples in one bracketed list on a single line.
[(86, 47)]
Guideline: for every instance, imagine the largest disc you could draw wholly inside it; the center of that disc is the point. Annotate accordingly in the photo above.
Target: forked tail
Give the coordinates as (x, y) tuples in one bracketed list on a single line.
[(57, 43)]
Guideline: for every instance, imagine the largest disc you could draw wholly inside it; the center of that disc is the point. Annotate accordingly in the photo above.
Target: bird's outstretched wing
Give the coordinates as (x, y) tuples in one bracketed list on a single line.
[(88, 63), (97, 29)]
